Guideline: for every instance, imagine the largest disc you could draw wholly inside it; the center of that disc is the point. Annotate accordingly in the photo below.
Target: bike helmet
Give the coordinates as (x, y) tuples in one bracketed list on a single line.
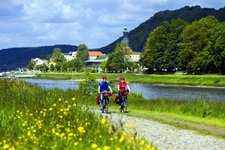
[(122, 78), (104, 77)]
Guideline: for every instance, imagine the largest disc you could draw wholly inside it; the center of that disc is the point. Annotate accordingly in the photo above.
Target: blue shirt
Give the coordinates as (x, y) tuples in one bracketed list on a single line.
[(103, 86)]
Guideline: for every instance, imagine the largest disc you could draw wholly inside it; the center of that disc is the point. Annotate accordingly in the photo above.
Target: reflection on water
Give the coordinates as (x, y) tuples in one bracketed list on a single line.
[(148, 91), (179, 92), (62, 84)]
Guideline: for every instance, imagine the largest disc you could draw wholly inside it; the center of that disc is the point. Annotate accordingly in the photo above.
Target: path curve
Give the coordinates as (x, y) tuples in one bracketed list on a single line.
[(164, 136)]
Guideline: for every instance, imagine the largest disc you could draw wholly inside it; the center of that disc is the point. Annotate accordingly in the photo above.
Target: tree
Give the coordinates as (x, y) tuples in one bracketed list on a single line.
[(216, 47), (57, 55), (161, 50), (89, 86), (103, 65), (82, 52), (31, 64), (119, 59), (78, 64), (194, 53)]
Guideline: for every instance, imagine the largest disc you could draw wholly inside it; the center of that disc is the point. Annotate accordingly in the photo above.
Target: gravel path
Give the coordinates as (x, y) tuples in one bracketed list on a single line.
[(166, 136)]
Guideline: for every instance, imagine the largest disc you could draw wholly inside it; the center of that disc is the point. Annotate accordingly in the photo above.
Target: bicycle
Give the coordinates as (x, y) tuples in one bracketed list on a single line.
[(123, 105), (105, 102)]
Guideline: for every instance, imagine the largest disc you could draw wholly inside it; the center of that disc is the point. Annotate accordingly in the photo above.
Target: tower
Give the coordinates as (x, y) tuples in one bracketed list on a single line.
[(125, 36)]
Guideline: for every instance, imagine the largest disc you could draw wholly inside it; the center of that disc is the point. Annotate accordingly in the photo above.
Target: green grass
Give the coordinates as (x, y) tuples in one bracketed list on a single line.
[(36, 118), (171, 79)]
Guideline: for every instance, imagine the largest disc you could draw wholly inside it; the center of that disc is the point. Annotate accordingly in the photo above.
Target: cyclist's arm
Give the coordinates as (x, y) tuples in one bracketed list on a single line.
[(110, 89), (118, 87), (128, 88), (99, 89)]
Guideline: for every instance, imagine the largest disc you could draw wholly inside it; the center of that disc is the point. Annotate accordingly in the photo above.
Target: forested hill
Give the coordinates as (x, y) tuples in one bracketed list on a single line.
[(12, 58), (139, 35)]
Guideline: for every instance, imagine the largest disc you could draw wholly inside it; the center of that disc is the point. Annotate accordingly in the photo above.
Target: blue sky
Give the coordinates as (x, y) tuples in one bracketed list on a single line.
[(96, 23)]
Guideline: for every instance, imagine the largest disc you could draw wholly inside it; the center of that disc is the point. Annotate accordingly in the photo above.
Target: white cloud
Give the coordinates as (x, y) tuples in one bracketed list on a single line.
[(96, 23)]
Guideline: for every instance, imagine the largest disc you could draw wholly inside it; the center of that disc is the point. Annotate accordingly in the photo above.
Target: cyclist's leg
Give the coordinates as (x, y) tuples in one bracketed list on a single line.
[(100, 100), (120, 97)]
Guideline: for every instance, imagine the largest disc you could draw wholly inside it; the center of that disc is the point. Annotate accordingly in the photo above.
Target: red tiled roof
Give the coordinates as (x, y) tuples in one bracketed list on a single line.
[(95, 53)]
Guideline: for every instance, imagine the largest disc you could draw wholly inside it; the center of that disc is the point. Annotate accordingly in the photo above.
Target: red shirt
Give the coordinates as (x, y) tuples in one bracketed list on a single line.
[(122, 86)]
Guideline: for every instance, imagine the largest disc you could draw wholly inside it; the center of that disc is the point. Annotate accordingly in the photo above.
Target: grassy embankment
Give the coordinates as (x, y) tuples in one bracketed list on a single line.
[(35, 118), (209, 113), (191, 80)]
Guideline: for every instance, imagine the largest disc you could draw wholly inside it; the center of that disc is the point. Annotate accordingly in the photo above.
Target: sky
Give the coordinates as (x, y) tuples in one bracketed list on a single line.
[(95, 23)]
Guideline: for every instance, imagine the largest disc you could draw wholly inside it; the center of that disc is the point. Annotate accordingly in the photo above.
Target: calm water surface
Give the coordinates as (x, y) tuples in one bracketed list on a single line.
[(148, 91)]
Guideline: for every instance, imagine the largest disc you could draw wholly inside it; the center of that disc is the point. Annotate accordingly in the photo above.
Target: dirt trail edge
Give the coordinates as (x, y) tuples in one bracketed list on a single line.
[(199, 126)]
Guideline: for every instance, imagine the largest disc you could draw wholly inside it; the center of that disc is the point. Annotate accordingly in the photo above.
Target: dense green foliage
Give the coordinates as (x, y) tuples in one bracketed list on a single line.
[(118, 60), (178, 46), (82, 52)]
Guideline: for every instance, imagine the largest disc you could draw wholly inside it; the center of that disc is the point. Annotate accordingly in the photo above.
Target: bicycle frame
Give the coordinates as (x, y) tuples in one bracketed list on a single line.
[(123, 105), (105, 102)]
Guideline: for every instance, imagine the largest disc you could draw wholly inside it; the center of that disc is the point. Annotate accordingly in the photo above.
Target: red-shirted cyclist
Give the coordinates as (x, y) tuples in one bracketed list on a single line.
[(122, 86)]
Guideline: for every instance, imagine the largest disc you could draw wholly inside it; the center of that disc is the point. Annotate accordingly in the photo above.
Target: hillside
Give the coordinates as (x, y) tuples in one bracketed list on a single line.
[(19, 57), (138, 36), (13, 58)]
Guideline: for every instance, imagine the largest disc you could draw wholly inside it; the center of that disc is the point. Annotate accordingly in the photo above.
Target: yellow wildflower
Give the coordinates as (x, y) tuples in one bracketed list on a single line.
[(121, 139), (106, 148), (73, 99), (6, 146), (103, 121), (142, 142), (81, 129), (94, 146)]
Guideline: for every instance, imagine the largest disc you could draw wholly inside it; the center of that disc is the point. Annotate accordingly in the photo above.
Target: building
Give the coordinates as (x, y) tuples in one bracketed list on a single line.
[(94, 54), (39, 61), (125, 36)]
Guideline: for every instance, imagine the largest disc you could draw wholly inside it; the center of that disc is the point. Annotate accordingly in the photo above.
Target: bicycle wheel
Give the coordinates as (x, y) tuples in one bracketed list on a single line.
[(125, 103), (103, 105), (106, 105), (121, 109)]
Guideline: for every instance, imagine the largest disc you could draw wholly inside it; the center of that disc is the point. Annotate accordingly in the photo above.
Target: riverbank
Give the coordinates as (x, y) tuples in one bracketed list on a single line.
[(171, 79)]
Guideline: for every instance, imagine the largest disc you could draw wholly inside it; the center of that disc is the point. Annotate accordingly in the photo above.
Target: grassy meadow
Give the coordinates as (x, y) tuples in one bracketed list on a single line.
[(32, 117)]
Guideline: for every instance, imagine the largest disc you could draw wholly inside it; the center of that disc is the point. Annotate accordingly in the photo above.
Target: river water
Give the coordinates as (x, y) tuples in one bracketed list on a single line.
[(148, 91)]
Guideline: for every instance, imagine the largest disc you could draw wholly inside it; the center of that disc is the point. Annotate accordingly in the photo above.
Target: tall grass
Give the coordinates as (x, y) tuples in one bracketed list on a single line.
[(199, 108), (36, 118)]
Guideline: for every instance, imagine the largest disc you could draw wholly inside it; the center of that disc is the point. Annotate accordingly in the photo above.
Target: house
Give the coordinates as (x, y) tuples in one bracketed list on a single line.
[(134, 56), (69, 56), (94, 54), (38, 61)]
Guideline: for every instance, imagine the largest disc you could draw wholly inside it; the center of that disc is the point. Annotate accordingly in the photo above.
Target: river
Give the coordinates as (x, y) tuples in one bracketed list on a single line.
[(148, 91)]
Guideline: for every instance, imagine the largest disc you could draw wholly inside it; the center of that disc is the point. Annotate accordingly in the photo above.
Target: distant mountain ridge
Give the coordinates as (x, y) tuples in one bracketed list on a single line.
[(12, 58)]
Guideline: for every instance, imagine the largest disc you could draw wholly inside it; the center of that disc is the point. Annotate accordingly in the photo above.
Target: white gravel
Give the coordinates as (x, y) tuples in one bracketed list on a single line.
[(166, 137)]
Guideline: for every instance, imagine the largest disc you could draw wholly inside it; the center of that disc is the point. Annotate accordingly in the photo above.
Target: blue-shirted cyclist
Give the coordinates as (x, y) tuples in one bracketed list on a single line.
[(103, 86)]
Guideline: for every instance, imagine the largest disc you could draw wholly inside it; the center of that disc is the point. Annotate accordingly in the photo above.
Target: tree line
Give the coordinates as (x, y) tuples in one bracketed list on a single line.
[(197, 47)]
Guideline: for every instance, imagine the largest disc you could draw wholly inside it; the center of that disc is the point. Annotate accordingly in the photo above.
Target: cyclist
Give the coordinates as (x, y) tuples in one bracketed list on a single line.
[(122, 86), (103, 86)]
